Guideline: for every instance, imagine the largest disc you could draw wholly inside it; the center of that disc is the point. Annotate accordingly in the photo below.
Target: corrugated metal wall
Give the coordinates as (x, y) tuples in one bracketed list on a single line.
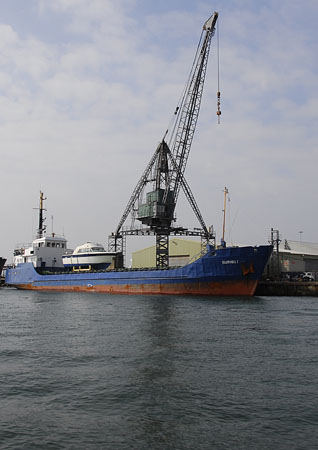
[(292, 263), (181, 251)]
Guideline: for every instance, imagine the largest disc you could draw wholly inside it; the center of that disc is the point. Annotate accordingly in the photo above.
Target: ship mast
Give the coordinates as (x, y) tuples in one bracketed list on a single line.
[(42, 227), (226, 191)]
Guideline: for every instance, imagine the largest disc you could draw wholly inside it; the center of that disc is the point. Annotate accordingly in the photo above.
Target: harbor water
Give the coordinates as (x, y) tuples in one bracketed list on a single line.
[(91, 371)]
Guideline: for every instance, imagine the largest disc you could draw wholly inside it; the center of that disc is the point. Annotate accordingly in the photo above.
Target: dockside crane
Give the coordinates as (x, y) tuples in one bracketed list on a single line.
[(165, 170)]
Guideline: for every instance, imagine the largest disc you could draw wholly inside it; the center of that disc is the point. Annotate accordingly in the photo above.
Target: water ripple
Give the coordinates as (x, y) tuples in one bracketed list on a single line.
[(98, 372)]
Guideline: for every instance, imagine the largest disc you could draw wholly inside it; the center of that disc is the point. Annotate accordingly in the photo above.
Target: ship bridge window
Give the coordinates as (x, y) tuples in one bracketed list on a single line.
[(48, 244), (53, 244), (62, 245)]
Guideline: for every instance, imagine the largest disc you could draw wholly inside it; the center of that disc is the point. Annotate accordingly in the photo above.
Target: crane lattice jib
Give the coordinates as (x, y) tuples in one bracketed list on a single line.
[(141, 183), (188, 193), (190, 110)]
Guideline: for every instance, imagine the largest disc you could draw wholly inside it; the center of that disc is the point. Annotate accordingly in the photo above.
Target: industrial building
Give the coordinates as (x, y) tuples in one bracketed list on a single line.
[(181, 252), (297, 256)]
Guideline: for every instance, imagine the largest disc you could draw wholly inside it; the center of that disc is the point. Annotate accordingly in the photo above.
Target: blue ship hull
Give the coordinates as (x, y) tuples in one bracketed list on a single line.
[(225, 271)]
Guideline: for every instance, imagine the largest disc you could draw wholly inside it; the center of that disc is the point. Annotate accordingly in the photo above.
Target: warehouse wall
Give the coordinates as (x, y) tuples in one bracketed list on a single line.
[(181, 251), (292, 263)]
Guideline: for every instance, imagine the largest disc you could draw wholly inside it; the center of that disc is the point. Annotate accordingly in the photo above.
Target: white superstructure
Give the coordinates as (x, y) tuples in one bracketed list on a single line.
[(46, 251), (50, 251)]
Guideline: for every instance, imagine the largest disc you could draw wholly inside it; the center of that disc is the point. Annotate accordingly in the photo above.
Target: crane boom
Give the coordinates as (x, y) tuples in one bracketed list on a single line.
[(190, 110)]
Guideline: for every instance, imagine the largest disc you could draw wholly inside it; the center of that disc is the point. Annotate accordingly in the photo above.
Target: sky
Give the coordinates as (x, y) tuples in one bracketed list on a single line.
[(87, 90)]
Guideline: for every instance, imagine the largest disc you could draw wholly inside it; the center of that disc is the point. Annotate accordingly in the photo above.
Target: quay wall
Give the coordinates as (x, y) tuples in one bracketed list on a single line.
[(287, 288)]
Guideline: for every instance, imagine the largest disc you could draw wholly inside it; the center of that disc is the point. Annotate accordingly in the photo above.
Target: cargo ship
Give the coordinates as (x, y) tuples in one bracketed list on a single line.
[(2, 263), (226, 271), (47, 264)]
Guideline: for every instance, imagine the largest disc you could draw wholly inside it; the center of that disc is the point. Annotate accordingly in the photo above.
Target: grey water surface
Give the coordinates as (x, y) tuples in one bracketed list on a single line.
[(92, 371)]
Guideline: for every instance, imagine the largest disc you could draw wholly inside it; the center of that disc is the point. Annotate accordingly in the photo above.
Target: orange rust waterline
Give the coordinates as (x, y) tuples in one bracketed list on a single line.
[(245, 287)]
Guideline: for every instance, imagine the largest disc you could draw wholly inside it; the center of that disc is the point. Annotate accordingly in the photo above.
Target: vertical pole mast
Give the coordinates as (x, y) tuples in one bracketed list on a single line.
[(41, 228), (226, 191)]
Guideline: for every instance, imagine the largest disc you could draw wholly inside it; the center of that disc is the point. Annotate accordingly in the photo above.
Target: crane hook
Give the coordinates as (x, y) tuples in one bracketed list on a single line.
[(218, 112)]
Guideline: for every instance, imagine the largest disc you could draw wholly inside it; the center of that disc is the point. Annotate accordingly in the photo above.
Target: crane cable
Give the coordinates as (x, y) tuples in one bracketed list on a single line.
[(218, 112)]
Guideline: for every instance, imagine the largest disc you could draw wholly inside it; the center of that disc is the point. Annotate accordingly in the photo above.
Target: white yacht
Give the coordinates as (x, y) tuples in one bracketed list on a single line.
[(89, 256)]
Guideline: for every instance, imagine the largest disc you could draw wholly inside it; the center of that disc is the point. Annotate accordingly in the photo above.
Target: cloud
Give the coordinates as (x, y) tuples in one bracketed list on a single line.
[(92, 18)]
